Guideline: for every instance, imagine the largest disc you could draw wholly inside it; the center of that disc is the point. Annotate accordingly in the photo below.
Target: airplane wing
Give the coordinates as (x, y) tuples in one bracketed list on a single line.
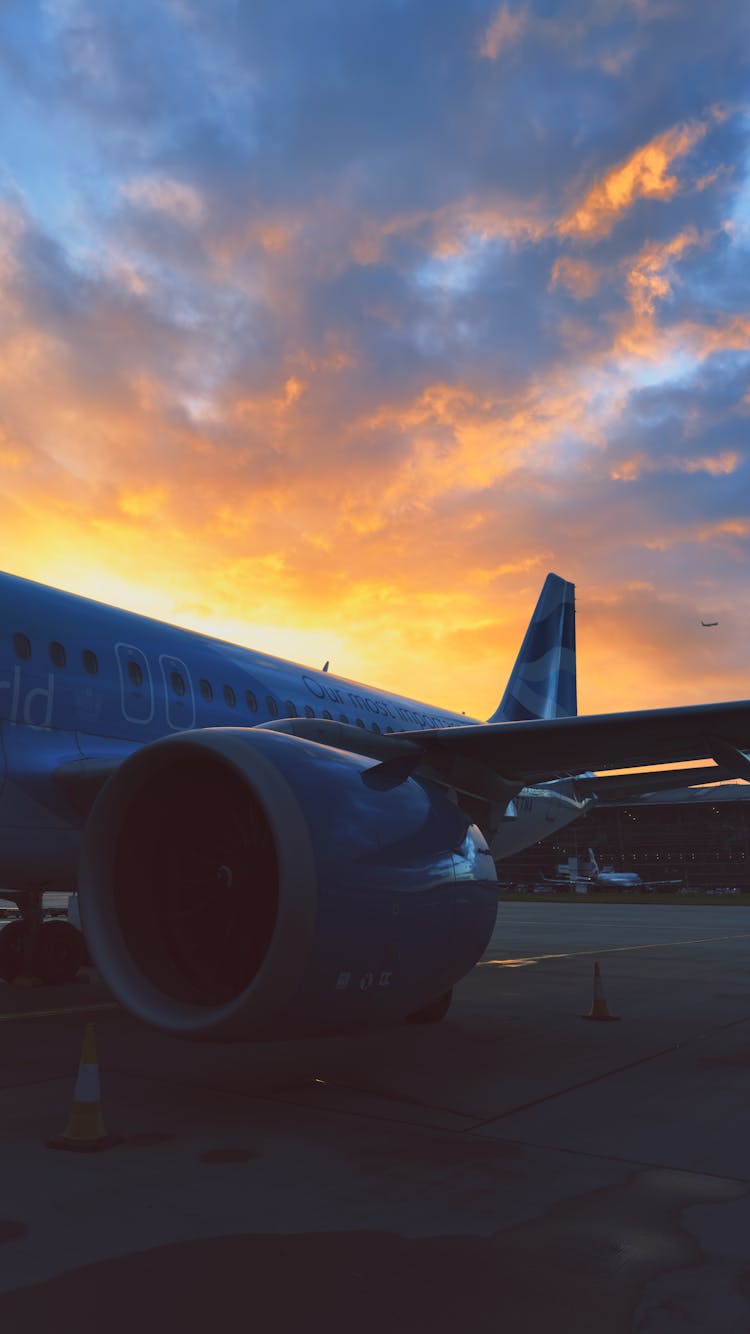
[(537, 750), (491, 759), (626, 787)]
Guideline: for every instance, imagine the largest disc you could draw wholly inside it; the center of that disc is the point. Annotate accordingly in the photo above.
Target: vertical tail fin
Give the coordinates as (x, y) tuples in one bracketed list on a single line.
[(543, 681)]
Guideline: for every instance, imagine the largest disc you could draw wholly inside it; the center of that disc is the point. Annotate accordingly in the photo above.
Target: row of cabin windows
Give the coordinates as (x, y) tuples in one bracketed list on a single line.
[(289, 709), (58, 657)]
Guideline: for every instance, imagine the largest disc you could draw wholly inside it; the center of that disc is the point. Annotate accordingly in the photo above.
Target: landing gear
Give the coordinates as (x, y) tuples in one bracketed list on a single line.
[(434, 1012), (51, 950), (58, 952), (12, 950)]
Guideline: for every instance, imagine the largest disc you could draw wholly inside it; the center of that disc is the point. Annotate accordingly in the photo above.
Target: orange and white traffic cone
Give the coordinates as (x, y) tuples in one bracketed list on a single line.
[(599, 1008), (85, 1129)]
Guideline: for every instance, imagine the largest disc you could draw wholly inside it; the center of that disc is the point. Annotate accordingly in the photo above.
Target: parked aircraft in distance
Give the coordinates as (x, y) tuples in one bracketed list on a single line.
[(265, 850), (605, 877), (584, 874)]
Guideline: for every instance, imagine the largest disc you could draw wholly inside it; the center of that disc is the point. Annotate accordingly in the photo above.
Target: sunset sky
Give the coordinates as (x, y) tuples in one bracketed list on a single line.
[(331, 326)]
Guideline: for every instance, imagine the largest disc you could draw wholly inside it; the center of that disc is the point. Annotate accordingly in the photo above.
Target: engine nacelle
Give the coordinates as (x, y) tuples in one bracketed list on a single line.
[(244, 883)]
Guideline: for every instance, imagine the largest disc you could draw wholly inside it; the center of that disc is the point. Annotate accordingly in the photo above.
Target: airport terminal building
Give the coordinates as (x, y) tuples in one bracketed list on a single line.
[(699, 837)]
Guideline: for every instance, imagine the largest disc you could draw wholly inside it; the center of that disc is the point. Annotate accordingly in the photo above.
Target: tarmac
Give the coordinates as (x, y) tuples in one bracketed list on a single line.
[(510, 1169)]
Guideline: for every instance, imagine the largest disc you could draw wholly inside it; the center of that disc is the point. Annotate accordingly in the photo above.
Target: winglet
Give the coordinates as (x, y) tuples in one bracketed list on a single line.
[(543, 681)]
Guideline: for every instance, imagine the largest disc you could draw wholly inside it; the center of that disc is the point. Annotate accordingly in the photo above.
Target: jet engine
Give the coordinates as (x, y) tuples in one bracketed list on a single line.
[(244, 883)]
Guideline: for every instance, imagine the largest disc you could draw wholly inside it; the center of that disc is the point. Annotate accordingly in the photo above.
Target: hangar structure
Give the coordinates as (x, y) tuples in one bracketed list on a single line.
[(699, 836)]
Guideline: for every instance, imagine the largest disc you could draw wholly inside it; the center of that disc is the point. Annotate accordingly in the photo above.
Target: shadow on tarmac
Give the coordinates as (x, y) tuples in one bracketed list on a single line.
[(606, 1244)]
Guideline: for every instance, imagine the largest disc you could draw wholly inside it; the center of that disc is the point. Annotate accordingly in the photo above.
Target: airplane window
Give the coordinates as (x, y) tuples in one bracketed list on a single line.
[(251, 701), (374, 728), (290, 709), (325, 714), (135, 673), (273, 707), (359, 722), (309, 711), (229, 696), (57, 655), (343, 718), (178, 683), (206, 689), (90, 662), (22, 646)]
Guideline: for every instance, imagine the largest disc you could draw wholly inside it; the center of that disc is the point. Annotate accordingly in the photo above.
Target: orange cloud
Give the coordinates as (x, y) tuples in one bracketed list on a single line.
[(648, 277), (449, 230), (732, 335), (504, 219), (629, 470), (725, 528), (721, 465), (718, 533), (639, 338), (578, 277), (505, 29), (273, 233), (458, 441), (645, 174), (293, 388)]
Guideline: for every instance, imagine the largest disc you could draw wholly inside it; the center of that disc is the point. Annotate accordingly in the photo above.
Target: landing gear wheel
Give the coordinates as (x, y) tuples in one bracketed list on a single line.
[(11, 950), (58, 952), (434, 1012)]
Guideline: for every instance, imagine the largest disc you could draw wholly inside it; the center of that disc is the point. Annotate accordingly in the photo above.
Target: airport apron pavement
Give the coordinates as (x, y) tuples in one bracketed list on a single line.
[(511, 1168)]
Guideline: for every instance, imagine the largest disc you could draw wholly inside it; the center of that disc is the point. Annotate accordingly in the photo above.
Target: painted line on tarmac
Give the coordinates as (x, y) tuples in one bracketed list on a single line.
[(49, 1014), (524, 961), (607, 1074)]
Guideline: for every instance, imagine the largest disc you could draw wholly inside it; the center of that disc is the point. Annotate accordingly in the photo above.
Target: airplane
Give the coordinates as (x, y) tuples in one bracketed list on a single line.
[(542, 684), (605, 877), (590, 876), (250, 866), (707, 624), (608, 878)]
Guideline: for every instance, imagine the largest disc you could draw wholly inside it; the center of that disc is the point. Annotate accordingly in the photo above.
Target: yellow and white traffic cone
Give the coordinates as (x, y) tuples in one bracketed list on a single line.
[(85, 1129), (599, 1008)]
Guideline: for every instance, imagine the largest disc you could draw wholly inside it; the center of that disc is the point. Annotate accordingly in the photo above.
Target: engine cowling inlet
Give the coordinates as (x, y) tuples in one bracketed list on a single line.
[(240, 883)]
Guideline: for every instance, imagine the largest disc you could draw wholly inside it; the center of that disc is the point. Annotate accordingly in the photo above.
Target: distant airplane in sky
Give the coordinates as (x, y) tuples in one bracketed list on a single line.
[(264, 850), (707, 624)]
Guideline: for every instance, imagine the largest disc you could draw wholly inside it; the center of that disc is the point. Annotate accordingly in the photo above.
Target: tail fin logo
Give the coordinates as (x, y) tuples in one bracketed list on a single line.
[(543, 681)]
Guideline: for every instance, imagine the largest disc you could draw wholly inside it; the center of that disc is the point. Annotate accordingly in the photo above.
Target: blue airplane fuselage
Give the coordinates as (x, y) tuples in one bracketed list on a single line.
[(82, 682)]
